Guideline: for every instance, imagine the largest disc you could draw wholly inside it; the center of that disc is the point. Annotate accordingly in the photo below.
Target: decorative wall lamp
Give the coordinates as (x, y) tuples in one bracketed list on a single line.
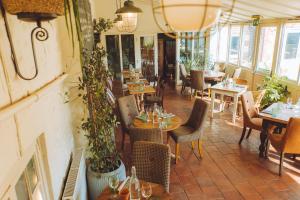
[(31, 10), (187, 15), (129, 14)]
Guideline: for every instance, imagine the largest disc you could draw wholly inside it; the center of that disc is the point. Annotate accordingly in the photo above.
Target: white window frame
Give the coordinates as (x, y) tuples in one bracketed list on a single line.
[(229, 45), (280, 51), (255, 45)]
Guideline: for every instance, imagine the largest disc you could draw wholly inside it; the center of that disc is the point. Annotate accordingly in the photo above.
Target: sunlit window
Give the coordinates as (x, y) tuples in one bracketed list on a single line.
[(266, 48), (235, 32), (199, 44), (289, 61), (213, 44), (223, 44), (247, 48)]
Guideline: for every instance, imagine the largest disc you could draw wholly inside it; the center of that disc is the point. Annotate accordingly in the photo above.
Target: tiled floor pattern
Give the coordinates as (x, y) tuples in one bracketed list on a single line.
[(227, 170)]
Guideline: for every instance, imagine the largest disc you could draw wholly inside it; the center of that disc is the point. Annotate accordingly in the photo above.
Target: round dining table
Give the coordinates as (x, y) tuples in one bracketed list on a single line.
[(172, 124)]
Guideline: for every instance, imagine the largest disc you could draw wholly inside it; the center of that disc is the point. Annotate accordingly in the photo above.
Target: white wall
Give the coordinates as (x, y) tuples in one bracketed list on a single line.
[(25, 114)]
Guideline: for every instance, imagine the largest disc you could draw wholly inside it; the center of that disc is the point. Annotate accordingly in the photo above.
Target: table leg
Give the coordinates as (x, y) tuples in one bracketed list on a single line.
[(263, 140), (235, 105), (212, 103), (222, 103)]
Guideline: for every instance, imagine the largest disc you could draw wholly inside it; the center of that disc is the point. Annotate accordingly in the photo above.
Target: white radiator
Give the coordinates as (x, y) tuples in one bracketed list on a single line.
[(76, 187)]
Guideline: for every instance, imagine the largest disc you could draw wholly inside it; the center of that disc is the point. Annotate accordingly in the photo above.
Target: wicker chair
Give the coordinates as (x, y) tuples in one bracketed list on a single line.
[(128, 111), (186, 80), (152, 162), (141, 134), (192, 129)]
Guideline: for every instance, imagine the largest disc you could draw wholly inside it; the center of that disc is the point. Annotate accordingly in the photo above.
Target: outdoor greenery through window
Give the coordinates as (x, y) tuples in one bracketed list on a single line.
[(266, 48), (235, 32), (289, 61), (247, 48)]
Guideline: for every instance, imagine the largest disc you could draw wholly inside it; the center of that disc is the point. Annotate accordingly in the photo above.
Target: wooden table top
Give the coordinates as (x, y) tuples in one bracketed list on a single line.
[(158, 192), (278, 112), (231, 88), (175, 122), (211, 75), (146, 90)]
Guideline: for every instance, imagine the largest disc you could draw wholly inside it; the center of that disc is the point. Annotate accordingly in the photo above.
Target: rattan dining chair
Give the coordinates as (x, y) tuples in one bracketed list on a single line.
[(286, 142), (128, 111), (192, 130), (152, 162), (143, 134)]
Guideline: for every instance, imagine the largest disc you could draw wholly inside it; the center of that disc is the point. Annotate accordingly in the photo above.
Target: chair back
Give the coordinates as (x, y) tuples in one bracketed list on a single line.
[(258, 97), (198, 115), (237, 73), (152, 162), (292, 137), (183, 72), (128, 110), (160, 87), (142, 134), (249, 108), (197, 79)]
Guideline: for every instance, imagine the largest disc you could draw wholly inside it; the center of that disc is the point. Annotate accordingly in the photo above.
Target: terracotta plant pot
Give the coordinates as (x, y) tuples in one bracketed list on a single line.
[(34, 9)]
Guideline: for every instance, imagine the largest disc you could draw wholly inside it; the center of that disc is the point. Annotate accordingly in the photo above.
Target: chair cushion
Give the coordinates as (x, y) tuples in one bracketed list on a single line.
[(184, 134), (256, 123)]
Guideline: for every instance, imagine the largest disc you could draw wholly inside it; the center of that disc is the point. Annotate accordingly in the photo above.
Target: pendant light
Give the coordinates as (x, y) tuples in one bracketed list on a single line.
[(129, 14), (186, 15)]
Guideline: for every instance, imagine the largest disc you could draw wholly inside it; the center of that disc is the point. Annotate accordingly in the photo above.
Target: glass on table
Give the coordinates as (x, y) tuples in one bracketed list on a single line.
[(113, 183), (289, 103), (146, 190)]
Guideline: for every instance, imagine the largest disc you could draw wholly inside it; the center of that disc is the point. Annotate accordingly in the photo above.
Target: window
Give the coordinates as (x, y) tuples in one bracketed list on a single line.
[(266, 48), (247, 48), (186, 46), (234, 44), (223, 44), (199, 45), (128, 51), (289, 60), (213, 44)]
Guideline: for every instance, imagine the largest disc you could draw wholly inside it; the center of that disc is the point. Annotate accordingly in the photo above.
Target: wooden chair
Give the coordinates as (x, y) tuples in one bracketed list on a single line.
[(250, 115), (152, 162), (192, 129), (158, 98), (237, 73), (288, 141), (198, 82), (128, 111), (186, 80)]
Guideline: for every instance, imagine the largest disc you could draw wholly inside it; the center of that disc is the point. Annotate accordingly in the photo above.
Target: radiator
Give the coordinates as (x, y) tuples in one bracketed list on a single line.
[(76, 187)]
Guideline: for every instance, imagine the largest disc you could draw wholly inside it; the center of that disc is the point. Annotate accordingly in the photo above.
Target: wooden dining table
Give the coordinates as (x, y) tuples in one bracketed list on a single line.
[(278, 114), (158, 192), (138, 91)]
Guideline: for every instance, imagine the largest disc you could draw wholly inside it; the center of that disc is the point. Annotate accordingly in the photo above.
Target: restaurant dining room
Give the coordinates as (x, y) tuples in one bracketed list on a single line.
[(149, 99)]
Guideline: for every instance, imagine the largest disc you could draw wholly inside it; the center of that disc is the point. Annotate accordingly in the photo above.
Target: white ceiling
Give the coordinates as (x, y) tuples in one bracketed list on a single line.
[(244, 9)]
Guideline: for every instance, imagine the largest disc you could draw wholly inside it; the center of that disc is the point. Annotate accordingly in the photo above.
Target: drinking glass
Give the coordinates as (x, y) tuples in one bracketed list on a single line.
[(113, 182), (146, 190), (289, 103)]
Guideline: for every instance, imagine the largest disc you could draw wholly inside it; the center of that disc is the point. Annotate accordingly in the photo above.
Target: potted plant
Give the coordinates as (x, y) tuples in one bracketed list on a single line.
[(275, 91), (103, 158)]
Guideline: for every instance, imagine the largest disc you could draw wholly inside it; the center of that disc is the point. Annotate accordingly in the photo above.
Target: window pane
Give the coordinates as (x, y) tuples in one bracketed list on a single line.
[(223, 44), (213, 44), (32, 174), (234, 44), (199, 44), (128, 54), (21, 189), (247, 46), (290, 54), (113, 55), (186, 47), (266, 48)]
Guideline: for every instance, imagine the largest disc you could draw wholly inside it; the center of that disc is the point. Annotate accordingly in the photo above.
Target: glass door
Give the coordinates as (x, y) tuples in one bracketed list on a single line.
[(128, 53), (147, 48), (113, 55)]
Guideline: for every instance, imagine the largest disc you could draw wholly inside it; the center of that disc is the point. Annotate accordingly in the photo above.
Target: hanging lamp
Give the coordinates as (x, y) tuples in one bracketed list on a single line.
[(129, 14), (187, 15)]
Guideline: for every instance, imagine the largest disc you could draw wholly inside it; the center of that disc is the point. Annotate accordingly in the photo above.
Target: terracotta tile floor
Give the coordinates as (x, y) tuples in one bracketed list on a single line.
[(227, 170)]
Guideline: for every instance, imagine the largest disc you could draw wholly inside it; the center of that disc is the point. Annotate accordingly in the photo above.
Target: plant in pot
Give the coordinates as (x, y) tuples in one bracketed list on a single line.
[(275, 91), (103, 158)]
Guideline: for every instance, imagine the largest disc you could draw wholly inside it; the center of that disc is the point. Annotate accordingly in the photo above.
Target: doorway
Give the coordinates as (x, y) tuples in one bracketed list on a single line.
[(166, 57)]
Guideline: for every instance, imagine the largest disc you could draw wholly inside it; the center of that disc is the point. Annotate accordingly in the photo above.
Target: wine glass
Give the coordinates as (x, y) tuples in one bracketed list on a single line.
[(113, 182), (146, 190)]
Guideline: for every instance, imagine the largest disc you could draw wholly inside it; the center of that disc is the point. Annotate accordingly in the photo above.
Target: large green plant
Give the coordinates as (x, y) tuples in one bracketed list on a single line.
[(275, 91), (100, 124), (200, 61)]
